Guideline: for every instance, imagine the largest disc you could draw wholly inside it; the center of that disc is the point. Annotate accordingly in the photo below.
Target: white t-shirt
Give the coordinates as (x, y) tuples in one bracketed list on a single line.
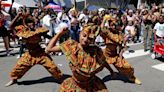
[(130, 18), (130, 30), (159, 29), (61, 26), (46, 21), (63, 18), (47, 24), (83, 17)]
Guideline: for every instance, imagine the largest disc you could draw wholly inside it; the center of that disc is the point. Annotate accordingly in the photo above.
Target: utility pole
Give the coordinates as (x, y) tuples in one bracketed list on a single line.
[(75, 4), (85, 4), (138, 4)]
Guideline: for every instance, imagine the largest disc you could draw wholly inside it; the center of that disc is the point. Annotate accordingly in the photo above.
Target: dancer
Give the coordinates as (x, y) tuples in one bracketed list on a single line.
[(35, 54), (114, 49), (85, 61)]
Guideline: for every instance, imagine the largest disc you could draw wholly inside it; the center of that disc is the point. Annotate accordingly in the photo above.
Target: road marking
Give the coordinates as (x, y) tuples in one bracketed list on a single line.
[(132, 44), (136, 53), (1, 40), (2, 44), (15, 49), (159, 66), (60, 65)]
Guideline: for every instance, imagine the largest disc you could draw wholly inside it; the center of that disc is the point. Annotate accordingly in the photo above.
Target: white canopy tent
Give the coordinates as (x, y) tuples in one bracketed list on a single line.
[(16, 5), (27, 3), (120, 4)]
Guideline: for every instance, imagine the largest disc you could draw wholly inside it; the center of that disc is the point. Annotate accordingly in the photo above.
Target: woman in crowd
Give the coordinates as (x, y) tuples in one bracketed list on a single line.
[(3, 31), (35, 54), (74, 32), (113, 52), (130, 32), (159, 31), (148, 24), (85, 61)]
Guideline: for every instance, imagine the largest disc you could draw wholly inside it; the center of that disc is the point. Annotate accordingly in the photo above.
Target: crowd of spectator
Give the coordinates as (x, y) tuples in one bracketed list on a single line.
[(137, 26)]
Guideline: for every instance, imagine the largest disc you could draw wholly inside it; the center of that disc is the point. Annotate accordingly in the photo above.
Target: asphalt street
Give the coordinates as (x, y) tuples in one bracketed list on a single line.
[(37, 79)]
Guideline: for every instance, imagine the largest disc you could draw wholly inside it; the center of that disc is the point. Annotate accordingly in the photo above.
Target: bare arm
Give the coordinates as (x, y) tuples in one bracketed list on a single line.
[(103, 23), (52, 47), (14, 20)]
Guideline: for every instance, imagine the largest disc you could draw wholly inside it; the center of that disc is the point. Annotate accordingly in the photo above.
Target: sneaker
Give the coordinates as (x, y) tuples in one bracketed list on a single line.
[(145, 50), (139, 41), (7, 53), (131, 51), (162, 56), (59, 54)]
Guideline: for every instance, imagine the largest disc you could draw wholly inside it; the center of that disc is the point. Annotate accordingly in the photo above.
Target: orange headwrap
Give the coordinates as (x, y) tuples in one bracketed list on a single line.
[(92, 30)]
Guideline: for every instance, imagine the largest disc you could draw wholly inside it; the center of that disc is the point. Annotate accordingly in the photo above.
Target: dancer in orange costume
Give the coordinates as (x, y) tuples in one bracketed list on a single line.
[(114, 49), (35, 54), (85, 61)]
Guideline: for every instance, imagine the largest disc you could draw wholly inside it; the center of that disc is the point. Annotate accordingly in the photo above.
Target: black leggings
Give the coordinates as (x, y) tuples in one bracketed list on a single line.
[(3, 32)]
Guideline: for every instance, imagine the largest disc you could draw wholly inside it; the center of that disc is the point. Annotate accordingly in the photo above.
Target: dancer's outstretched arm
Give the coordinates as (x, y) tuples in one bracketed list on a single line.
[(52, 47)]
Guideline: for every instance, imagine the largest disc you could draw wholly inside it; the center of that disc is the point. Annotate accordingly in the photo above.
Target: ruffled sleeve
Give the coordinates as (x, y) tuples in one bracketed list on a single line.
[(69, 48), (41, 30), (110, 37), (26, 33)]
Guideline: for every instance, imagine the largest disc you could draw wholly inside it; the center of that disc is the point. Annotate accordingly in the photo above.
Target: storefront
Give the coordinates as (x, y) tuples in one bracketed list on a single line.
[(149, 2)]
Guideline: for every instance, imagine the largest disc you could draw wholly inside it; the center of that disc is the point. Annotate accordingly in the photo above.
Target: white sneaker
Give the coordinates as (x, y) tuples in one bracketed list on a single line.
[(59, 54), (8, 53)]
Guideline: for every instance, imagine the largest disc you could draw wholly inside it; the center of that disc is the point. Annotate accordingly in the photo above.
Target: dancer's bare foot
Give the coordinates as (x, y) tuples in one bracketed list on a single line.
[(136, 81), (11, 83)]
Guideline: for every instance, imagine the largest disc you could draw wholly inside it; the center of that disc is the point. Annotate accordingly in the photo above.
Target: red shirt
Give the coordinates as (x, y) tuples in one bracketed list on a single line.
[(2, 20)]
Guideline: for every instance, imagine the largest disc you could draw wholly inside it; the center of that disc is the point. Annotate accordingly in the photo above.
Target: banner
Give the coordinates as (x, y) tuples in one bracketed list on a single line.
[(120, 4)]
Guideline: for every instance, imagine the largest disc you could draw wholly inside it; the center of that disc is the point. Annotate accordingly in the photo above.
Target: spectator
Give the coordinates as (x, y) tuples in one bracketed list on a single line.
[(47, 23), (159, 30), (74, 32), (83, 17), (4, 33), (130, 32), (130, 16), (147, 19)]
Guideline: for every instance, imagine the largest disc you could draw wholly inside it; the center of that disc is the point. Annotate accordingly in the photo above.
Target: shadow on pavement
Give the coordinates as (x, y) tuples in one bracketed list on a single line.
[(5, 55), (12, 53), (118, 77), (161, 59), (44, 80)]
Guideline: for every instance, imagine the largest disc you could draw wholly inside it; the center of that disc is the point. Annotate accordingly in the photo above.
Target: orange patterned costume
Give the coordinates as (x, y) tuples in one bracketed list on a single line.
[(34, 55), (84, 66), (113, 41)]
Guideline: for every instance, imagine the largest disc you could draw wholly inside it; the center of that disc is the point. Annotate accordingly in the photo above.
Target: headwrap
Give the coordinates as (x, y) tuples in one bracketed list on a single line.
[(110, 19), (107, 17), (92, 30)]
